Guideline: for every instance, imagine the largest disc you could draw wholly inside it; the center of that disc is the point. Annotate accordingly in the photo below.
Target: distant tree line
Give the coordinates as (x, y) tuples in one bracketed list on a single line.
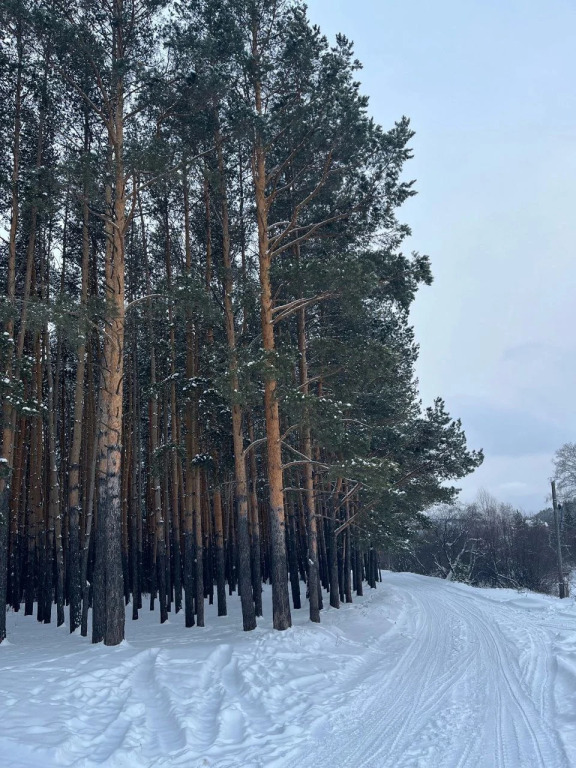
[(207, 369), (490, 544)]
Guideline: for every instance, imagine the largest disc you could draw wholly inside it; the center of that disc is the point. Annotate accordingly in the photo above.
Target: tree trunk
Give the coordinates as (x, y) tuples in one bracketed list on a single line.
[(109, 553), (333, 564), (91, 539), (55, 516), (188, 521), (241, 486), (279, 569), (219, 542), (311, 527), (255, 547), (75, 581), (135, 487), (293, 557), (9, 414)]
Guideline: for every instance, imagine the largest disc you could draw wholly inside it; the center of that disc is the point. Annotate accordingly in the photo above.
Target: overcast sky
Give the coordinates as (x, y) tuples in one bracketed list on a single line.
[(489, 87)]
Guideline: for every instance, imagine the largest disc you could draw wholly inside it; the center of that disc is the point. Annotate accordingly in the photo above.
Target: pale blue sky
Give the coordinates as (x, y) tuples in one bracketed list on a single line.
[(490, 88)]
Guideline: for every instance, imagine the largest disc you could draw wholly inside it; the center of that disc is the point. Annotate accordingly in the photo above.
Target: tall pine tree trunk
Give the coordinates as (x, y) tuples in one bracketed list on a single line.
[(109, 553), (75, 580), (159, 562), (55, 516), (175, 432), (188, 521), (7, 430), (241, 484), (311, 524), (279, 569)]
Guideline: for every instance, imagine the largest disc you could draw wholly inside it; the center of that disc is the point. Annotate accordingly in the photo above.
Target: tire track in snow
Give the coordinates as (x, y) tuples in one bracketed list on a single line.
[(527, 704), (425, 707), (456, 696)]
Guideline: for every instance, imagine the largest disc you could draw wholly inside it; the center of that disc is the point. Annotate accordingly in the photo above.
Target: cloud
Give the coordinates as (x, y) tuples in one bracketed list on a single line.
[(523, 481), (531, 350), (506, 431), (517, 487)]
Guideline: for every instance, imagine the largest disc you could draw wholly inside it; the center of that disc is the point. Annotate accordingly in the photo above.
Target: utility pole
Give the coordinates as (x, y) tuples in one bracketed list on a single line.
[(562, 586)]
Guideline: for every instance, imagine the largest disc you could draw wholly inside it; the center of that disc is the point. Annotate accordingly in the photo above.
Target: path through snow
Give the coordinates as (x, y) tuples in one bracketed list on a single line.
[(420, 673)]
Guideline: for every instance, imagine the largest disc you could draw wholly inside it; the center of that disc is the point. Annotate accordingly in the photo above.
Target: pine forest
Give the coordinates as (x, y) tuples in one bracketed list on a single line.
[(207, 359)]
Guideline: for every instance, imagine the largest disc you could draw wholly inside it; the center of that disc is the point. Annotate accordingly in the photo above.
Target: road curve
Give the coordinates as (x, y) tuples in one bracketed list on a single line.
[(460, 681)]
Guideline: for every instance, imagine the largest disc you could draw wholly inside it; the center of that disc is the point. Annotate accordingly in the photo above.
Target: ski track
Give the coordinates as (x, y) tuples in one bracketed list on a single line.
[(467, 691), (420, 673)]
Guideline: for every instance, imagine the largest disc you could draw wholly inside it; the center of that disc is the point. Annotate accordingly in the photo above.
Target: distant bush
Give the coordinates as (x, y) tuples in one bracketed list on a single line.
[(488, 543)]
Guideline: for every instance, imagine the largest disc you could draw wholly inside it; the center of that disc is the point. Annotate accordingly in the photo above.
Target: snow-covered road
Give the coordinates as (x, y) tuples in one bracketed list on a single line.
[(466, 679), (420, 673)]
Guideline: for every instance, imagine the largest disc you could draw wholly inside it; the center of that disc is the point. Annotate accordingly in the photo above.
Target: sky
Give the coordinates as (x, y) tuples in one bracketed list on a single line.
[(489, 88)]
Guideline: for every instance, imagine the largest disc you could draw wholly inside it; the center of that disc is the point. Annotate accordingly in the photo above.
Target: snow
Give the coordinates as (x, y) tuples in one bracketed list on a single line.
[(420, 673)]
